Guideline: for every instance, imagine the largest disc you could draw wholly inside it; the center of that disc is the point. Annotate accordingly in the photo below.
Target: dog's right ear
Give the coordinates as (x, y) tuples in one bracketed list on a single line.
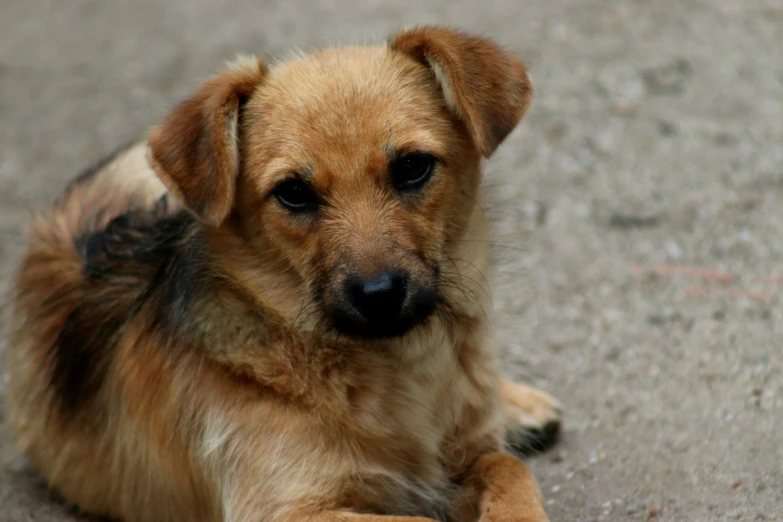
[(195, 150)]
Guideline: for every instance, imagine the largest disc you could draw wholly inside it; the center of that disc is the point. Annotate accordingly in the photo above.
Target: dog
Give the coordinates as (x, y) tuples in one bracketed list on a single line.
[(273, 308)]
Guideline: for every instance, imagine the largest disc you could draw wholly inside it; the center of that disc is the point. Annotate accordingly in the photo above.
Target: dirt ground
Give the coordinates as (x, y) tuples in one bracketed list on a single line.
[(639, 213)]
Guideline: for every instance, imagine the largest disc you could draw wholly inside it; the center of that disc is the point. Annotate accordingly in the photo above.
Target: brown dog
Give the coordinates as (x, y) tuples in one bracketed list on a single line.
[(272, 310)]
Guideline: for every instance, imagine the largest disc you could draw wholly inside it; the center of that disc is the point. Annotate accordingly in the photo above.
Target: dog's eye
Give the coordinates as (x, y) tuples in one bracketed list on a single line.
[(296, 196), (412, 171)]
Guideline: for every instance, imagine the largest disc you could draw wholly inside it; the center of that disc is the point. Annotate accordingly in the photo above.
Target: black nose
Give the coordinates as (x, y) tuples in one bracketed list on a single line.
[(379, 297)]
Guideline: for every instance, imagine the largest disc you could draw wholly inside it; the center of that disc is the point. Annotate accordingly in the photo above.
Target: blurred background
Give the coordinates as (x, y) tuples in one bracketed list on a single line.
[(638, 209)]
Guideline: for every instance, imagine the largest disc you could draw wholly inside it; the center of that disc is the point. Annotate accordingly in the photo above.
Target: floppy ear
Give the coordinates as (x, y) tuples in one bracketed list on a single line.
[(195, 150), (485, 86)]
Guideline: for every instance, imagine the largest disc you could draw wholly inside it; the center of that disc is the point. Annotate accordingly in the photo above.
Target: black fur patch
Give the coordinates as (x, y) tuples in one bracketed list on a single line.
[(82, 351), (147, 260), (525, 443)]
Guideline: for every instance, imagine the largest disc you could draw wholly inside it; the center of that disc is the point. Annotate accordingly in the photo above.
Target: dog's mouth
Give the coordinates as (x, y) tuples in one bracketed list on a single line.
[(383, 327), (385, 305)]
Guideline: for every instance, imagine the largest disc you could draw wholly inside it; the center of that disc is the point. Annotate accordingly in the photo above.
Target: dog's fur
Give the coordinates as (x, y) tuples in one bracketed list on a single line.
[(173, 356)]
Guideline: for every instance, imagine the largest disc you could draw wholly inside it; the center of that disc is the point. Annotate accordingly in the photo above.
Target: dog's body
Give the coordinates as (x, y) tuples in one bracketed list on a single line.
[(183, 347)]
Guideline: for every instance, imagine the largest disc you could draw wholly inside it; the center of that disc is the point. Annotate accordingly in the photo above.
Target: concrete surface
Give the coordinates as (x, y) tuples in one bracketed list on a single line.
[(655, 142)]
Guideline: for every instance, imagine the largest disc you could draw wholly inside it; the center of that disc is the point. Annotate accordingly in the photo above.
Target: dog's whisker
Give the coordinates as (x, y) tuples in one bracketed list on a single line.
[(456, 281)]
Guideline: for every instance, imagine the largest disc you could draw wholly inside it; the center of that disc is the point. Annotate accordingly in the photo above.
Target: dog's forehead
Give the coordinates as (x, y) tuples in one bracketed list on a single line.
[(349, 94), (343, 110), (348, 74)]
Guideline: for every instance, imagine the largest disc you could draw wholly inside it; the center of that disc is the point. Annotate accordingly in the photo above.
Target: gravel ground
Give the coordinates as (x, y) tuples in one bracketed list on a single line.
[(639, 213)]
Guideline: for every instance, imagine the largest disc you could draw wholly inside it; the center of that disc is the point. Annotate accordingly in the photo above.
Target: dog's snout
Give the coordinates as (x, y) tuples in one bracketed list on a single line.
[(386, 303), (379, 297)]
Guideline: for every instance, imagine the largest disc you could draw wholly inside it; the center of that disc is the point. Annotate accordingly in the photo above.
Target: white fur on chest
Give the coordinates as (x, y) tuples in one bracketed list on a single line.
[(420, 413)]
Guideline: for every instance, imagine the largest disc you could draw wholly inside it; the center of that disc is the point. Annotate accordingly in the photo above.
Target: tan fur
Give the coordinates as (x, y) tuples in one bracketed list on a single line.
[(264, 416), (527, 406)]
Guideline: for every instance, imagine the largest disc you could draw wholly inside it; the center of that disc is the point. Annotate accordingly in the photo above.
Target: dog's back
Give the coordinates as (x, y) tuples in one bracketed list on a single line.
[(71, 300), (56, 282)]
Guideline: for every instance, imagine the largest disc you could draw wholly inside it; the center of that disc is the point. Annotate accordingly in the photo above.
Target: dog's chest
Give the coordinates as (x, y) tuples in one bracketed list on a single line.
[(413, 422)]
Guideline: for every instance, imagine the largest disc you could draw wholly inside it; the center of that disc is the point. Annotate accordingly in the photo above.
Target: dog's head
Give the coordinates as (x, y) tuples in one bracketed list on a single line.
[(349, 175)]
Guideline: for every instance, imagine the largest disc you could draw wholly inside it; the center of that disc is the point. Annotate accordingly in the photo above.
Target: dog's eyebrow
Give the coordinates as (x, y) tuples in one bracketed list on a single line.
[(416, 142), (398, 152), (305, 174), (284, 170)]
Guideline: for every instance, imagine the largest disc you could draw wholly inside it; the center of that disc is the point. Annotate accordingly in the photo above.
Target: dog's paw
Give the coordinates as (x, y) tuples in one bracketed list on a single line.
[(533, 418)]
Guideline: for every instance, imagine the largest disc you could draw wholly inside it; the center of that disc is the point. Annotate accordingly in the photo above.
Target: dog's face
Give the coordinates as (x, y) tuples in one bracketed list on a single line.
[(355, 169), (358, 175)]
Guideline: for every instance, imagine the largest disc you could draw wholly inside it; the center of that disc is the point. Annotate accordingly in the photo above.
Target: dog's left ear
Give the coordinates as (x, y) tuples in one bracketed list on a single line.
[(195, 150), (485, 86)]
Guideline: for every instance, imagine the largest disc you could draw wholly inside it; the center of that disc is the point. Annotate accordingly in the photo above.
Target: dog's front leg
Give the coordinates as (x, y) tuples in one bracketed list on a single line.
[(505, 489), (533, 417)]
